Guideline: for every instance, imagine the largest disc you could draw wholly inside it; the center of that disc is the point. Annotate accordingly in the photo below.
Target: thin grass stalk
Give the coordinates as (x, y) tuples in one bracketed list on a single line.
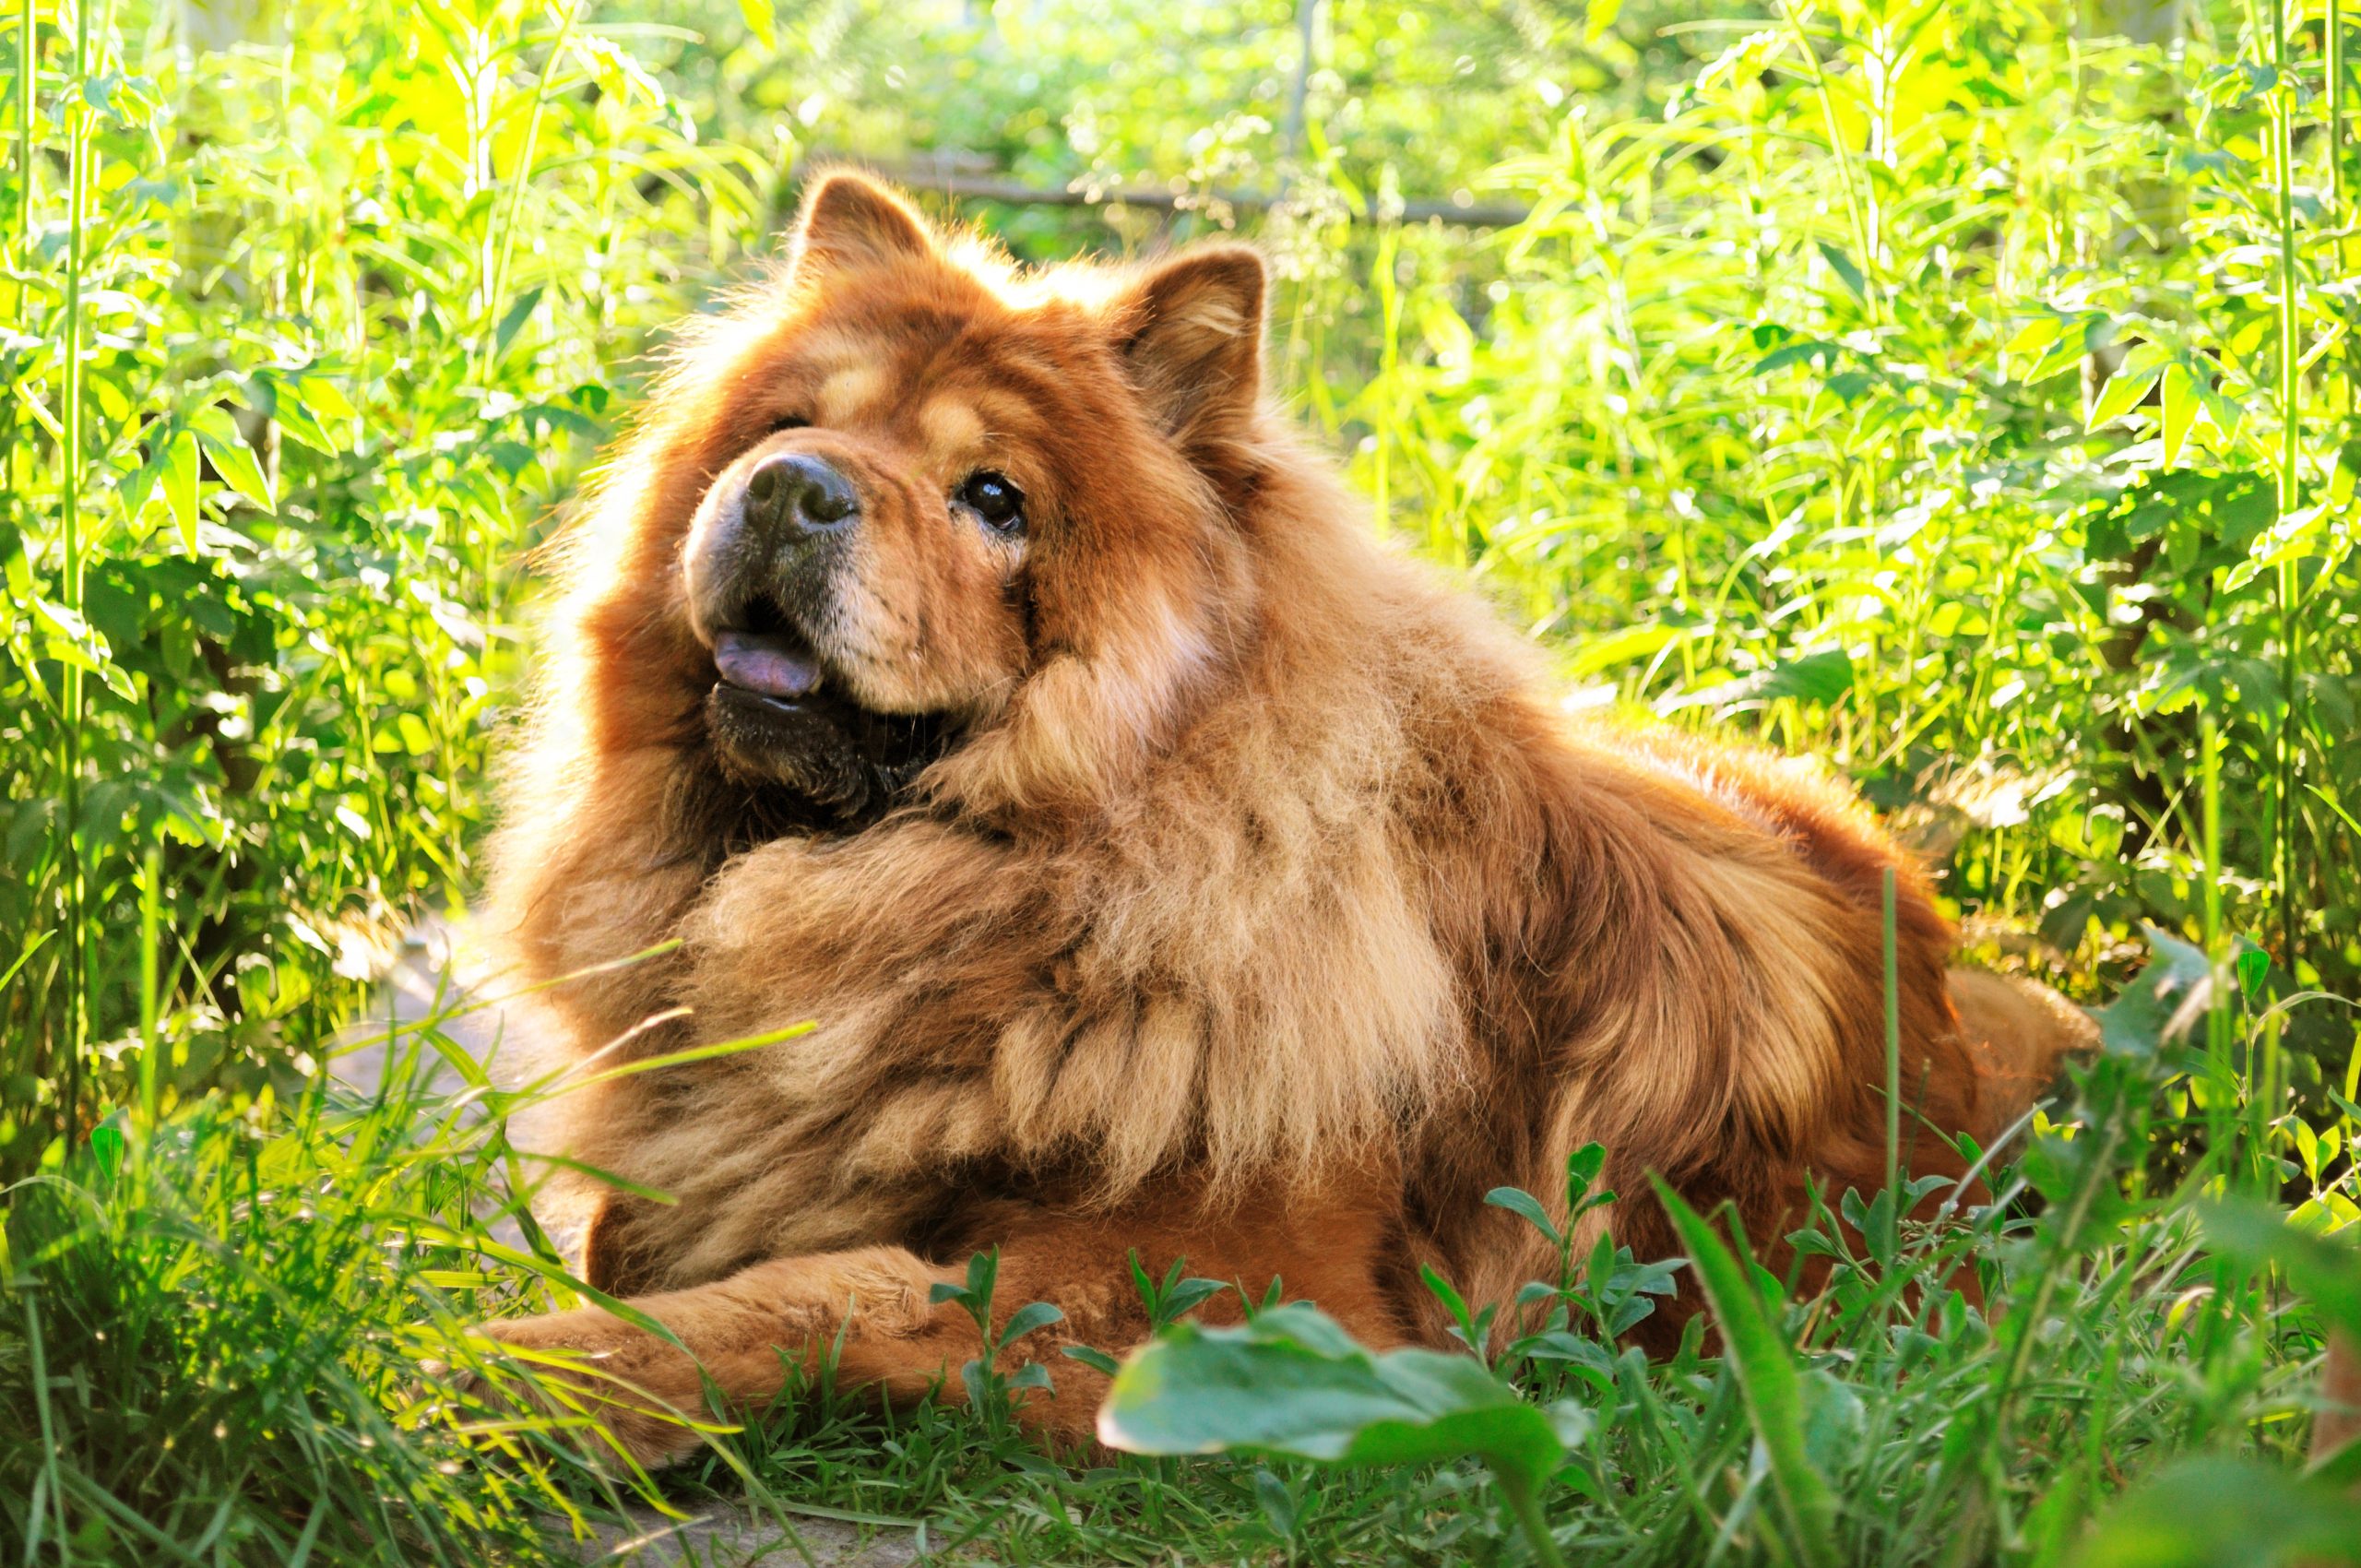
[(1892, 1070), (150, 1045), (1389, 368), (1527, 1508), (2334, 23), (27, 64), (79, 155), (1837, 150), (2223, 1119), (2341, 399), (51, 1471), (2264, 1096), (2290, 738), (2019, 1331), (21, 461), (519, 180), (2217, 1019)]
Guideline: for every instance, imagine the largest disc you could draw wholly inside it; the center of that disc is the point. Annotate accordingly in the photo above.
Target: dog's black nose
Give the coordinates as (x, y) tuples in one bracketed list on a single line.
[(796, 492)]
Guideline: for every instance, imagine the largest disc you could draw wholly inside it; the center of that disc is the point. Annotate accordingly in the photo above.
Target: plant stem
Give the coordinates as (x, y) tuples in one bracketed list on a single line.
[(1894, 1047), (2290, 740), (2334, 23), (1529, 1516), (79, 156), (519, 178), (150, 1093), (1993, 1419), (27, 64), (2217, 1016), (1863, 239)]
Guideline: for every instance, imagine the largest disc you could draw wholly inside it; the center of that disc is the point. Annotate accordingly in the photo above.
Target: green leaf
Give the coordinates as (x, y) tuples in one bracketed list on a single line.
[(1097, 1359), (2180, 407), (2326, 1271), (1767, 1375), (2079, 337), (73, 640), (1622, 647), (1190, 1294), (514, 320), (1560, 1345), (2298, 534), (480, 1244), (1040, 1314), (234, 461), (1809, 350), (2142, 364), (1516, 1200), (1822, 676), (2164, 1001), (1844, 269), (1277, 1504), (179, 486), (106, 1144), (323, 398), (296, 421), (2119, 397), (1292, 1384), (2219, 1513), (2036, 336), (1583, 1167)]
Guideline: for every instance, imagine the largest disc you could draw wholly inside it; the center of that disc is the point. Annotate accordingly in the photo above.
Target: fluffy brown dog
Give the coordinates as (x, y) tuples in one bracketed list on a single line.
[(972, 661)]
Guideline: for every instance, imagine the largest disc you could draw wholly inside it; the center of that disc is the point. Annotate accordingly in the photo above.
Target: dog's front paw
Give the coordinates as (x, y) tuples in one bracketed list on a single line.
[(612, 1388)]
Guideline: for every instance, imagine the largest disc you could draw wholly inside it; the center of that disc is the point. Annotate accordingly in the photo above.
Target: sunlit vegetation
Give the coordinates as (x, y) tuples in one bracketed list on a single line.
[(1961, 395)]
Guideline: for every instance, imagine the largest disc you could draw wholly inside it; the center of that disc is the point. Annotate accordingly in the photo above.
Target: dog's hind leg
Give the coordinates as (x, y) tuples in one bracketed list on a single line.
[(2019, 1034)]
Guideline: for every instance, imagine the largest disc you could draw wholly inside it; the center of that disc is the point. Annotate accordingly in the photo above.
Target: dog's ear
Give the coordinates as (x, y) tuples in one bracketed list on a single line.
[(850, 223), (1191, 333)]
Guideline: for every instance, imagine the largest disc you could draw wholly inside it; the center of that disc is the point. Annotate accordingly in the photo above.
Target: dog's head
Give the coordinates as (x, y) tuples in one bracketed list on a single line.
[(923, 515)]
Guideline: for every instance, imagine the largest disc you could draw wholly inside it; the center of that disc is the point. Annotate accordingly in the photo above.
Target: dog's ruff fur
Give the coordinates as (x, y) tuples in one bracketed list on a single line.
[(1266, 908)]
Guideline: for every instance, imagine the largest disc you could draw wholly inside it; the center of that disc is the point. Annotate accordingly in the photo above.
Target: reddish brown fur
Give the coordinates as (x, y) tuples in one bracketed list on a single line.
[(1268, 911)]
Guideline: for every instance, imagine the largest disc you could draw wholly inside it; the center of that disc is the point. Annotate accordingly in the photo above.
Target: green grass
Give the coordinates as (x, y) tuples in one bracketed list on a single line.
[(1958, 392), (223, 1328)]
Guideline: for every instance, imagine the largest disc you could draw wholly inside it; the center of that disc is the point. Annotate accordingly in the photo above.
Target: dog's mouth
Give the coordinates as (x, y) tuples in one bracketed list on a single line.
[(781, 722), (767, 655)]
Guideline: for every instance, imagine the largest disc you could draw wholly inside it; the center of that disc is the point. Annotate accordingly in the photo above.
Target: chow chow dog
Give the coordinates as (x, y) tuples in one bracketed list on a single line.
[(971, 662)]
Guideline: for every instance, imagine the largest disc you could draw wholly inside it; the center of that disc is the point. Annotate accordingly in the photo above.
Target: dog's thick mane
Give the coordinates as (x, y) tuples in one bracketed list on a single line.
[(1278, 854)]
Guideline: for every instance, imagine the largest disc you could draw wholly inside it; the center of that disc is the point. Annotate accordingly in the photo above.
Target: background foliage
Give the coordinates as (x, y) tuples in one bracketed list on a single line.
[(1958, 393)]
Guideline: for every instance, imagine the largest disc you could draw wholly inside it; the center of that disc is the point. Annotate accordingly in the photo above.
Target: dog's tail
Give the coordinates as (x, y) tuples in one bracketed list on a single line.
[(2020, 1033)]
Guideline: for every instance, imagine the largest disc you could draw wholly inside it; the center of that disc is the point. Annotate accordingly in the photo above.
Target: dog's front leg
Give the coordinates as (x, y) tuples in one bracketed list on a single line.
[(743, 1331)]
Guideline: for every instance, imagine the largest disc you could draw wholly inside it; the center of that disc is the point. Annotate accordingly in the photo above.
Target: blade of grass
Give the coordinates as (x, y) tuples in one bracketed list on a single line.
[(1767, 1373), (1893, 1068)]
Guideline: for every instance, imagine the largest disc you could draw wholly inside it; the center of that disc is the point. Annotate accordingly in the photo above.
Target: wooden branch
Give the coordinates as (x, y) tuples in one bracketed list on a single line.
[(962, 180)]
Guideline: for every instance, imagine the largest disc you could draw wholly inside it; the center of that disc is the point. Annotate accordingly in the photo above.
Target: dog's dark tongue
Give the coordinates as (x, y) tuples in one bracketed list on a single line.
[(774, 665)]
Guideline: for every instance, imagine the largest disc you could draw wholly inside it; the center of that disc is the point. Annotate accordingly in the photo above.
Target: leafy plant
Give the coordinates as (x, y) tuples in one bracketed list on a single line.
[(1767, 1376), (1293, 1384), (1961, 394), (990, 1389), (1612, 1289)]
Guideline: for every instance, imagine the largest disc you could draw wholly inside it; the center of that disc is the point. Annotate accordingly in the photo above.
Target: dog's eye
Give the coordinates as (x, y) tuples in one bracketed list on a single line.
[(992, 497), (787, 422)]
